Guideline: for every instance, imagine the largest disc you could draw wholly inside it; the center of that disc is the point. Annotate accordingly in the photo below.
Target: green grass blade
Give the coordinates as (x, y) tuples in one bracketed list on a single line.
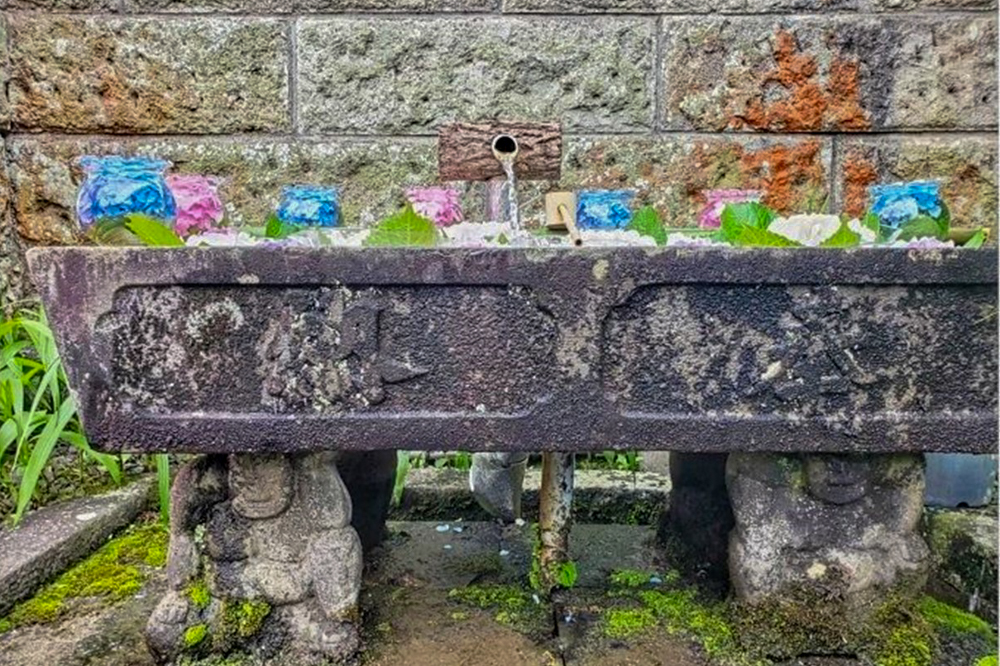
[(163, 485), (40, 455)]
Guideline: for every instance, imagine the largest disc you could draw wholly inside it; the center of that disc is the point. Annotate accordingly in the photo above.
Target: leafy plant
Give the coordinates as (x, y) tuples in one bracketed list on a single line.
[(567, 574), (844, 237), (977, 240), (402, 469), (405, 228), (275, 228), (646, 222), (152, 232), (37, 411)]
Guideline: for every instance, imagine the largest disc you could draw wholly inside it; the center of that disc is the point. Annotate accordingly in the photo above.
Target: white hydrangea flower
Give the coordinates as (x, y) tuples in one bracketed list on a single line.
[(229, 238), (809, 230), (867, 235)]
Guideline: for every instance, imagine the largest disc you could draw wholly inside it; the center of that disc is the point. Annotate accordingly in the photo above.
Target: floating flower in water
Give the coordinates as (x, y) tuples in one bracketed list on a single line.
[(116, 186), (604, 209), (198, 205), (867, 235), (441, 205), (809, 230), (309, 205), (615, 238), (716, 200), (898, 203)]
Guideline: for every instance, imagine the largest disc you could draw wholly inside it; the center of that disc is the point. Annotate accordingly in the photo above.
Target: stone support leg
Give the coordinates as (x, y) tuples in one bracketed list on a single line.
[(496, 480), (369, 477), (696, 526), (827, 538), (263, 559)]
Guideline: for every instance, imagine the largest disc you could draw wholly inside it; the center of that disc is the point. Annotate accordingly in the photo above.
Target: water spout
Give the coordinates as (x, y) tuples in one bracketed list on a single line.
[(502, 193)]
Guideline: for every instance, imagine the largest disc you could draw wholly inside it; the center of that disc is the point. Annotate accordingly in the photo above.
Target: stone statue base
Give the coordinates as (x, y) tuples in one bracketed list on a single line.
[(822, 542), (263, 559)]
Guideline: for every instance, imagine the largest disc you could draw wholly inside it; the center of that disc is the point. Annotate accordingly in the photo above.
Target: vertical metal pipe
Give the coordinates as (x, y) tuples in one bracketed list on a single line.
[(555, 516)]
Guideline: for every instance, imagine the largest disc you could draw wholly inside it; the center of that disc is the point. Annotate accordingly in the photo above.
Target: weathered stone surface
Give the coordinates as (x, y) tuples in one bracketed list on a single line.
[(671, 172), (409, 76), (13, 272), (620, 6), (193, 75), (54, 537), (695, 527), (830, 73), (188, 350), (303, 6), (963, 547), (843, 527), (965, 165), (496, 480), (63, 5), (265, 542), (372, 175)]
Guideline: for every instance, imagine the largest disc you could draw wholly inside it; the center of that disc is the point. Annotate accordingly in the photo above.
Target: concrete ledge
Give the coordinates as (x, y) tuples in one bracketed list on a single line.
[(51, 539), (963, 546), (600, 496)]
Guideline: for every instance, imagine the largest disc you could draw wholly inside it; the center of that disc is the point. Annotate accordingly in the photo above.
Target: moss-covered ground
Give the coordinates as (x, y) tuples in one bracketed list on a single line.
[(116, 571)]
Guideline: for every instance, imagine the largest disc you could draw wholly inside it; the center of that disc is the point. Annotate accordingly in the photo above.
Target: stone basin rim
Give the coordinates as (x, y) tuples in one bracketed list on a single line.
[(566, 409)]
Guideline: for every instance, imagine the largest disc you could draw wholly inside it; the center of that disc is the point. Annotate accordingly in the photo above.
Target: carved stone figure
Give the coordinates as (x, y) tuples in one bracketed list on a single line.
[(843, 527), (263, 559), (496, 480)]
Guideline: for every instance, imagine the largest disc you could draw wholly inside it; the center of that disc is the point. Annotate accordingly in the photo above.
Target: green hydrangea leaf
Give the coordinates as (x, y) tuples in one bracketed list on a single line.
[(977, 240), (111, 231), (844, 237), (754, 237), (404, 229), (748, 215), (152, 232), (922, 226), (646, 222)]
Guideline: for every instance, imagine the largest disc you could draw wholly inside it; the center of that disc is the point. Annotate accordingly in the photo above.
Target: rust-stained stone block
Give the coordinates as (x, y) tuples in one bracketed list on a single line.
[(186, 75), (966, 167), (373, 175), (831, 73), (670, 172), (409, 76)]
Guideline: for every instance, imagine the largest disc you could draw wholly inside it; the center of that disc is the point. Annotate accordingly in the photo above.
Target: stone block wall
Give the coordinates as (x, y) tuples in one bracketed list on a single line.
[(809, 100)]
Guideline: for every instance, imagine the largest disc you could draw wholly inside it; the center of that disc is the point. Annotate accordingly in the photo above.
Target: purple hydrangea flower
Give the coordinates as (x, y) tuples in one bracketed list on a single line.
[(441, 205), (716, 200)]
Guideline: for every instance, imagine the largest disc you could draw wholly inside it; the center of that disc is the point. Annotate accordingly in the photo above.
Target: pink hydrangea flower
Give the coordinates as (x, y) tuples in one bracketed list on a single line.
[(198, 205), (716, 200), (441, 205)]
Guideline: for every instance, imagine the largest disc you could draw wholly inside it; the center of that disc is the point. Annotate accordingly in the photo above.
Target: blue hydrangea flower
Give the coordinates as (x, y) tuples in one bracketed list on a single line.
[(116, 186), (310, 205), (604, 209), (899, 203)]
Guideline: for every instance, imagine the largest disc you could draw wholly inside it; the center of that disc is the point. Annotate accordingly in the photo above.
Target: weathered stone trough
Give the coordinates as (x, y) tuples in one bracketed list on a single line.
[(257, 349), (803, 363)]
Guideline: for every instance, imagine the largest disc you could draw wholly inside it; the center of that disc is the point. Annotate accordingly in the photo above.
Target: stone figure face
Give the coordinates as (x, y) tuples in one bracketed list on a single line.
[(261, 485), (838, 479)]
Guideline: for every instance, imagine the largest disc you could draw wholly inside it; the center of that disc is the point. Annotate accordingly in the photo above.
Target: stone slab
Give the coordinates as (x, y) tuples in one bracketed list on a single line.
[(964, 557), (52, 538), (408, 76), (253, 349), (307, 6), (830, 73), (132, 76), (599, 496)]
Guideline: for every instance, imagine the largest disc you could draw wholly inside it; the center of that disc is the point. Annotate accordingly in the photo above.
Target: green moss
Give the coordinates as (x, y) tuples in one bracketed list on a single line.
[(199, 595), (991, 660), (245, 617), (905, 646), (626, 622), (116, 571), (952, 620), (513, 606), (681, 612), (630, 578), (195, 635)]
